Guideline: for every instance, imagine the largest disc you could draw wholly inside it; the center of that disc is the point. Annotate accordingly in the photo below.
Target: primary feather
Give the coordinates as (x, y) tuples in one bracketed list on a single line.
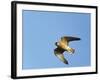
[(59, 53)]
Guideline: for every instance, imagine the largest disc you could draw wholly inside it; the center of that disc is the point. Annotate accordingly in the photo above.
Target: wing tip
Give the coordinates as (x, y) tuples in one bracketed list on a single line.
[(78, 38), (66, 62)]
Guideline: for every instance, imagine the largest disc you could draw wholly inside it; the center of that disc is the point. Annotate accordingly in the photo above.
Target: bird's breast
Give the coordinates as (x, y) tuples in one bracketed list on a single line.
[(63, 45)]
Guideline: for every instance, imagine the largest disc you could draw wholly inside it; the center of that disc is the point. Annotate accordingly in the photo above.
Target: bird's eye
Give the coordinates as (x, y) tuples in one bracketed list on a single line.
[(57, 43)]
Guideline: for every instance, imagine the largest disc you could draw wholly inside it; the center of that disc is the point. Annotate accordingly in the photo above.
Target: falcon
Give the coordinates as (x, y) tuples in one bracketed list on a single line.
[(63, 45)]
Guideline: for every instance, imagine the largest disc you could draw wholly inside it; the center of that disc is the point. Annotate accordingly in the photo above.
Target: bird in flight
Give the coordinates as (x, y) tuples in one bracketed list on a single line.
[(62, 46)]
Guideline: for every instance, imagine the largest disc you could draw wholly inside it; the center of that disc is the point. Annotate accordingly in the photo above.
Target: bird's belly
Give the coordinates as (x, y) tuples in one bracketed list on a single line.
[(64, 48)]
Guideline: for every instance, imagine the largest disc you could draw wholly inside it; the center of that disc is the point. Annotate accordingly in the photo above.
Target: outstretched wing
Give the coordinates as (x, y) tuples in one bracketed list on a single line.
[(69, 38), (59, 53)]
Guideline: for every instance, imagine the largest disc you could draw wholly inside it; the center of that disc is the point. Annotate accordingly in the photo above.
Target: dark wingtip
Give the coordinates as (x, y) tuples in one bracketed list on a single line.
[(79, 38), (66, 62)]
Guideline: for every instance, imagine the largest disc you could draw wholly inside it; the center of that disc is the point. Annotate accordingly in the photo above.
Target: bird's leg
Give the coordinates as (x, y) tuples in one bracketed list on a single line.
[(70, 50)]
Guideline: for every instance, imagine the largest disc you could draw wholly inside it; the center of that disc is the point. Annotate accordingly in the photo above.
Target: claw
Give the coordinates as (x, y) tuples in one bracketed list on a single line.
[(70, 50)]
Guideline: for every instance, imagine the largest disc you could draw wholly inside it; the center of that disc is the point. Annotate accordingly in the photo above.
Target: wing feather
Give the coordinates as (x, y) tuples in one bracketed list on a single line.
[(69, 38), (59, 53)]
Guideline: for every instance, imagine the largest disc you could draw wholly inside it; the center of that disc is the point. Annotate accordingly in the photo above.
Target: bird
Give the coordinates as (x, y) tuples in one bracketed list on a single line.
[(63, 45)]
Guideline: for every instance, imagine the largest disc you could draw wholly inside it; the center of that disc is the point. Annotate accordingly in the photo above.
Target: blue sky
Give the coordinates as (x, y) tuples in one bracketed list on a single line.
[(42, 29)]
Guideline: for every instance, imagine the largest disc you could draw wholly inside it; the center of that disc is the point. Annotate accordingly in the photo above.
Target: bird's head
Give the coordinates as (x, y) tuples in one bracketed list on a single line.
[(56, 43)]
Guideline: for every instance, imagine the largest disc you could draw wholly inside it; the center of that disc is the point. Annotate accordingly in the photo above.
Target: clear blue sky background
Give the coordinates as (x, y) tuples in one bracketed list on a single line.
[(42, 29)]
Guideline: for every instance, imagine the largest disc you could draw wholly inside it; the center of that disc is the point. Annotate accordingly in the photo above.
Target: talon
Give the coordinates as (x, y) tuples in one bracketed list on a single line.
[(71, 50)]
